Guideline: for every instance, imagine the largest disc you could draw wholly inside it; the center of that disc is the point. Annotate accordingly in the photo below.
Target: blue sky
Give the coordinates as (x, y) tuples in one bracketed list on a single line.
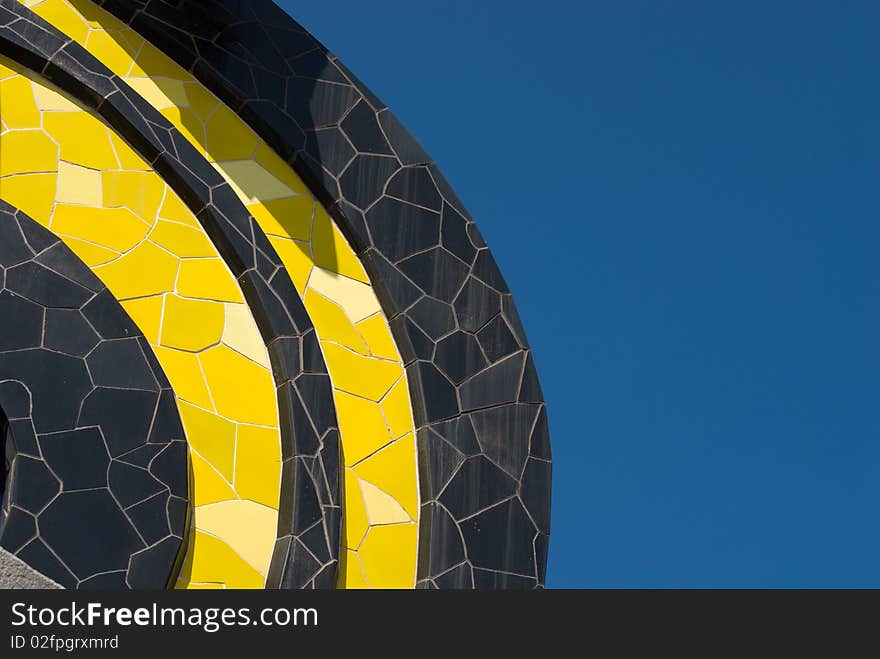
[(683, 198)]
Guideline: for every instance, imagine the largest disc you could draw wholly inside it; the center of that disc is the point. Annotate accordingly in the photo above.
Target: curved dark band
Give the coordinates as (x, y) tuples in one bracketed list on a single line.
[(306, 552), (482, 426), (97, 492)]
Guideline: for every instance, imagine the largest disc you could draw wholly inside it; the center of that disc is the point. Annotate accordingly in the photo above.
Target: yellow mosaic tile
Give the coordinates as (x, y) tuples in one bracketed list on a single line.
[(382, 508), (181, 240), (176, 288), (204, 278), (24, 112), (32, 193), (356, 522), (184, 370), (360, 375), (255, 447), (351, 573), (191, 325), (377, 334), (362, 424), (335, 326), (385, 558), (212, 561), (116, 229), (226, 519), (78, 185), (242, 335), (83, 141), (238, 386), (27, 152), (324, 269), (384, 467)]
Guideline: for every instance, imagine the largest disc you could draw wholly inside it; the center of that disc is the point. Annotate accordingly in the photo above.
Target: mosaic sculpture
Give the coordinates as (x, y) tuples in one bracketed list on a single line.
[(249, 336)]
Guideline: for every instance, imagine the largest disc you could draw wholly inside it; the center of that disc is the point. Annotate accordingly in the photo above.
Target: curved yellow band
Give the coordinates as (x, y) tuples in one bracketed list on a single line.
[(65, 168), (370, 387)]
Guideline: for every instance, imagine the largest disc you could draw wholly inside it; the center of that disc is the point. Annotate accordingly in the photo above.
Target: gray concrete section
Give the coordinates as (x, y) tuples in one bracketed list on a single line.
[(16, 574)]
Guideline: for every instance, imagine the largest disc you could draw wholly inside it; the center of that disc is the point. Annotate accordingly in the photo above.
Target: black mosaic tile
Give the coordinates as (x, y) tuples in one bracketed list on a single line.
[(437, 462), (539, 443), (491, 580), (130, 485), (433, 317), (460, 433), (405, 147), (536, 501), (38, 556), (296, 424), (33, 487), (491, 535), (316, 393), (166, 468), (102, 314), (476, 305), (13, 248), (497, 384), (459, 356), (21, 322), (437, 400), (361, 180), (151, 561), (124, 416), (412, 342), (302, 566), (393, 289), (36, 236), (150, 518), (315, 540), (121, 364), (542, 548), (15, 400), (24, 439), (107, 581), (312, 360), (362, 128), (530, 389), (329, 146), (477, 484), (436, 271), (284, 354), (67, 331), (451, 551), (497, 340), (57, 383), (400, 230), (167, 426), (18, 529), (56, 258), (48, 289), (503, 434), (458, 578), (90, 531), (78, 457), (454, 235), (414, 185)]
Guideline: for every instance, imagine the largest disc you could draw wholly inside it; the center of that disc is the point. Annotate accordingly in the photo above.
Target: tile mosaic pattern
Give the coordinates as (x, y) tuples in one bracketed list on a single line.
[(309, 483), (370, 388), (482, 425), (92, 499), (139, 239)]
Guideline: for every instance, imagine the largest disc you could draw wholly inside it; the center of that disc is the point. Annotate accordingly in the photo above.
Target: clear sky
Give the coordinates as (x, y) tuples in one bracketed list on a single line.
[(683, 197)]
